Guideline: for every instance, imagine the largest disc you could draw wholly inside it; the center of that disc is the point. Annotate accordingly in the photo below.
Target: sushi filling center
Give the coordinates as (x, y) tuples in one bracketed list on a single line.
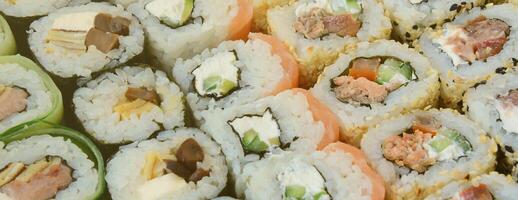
[(427, 143), (479, 192), (13, 100), (217, 76), (258, 133), (167, 173), (41, 180), (174, 13), (301, 181), (319, 18), (507, 107), (369, 80), (477, 40), (77, 32), (137, 102)]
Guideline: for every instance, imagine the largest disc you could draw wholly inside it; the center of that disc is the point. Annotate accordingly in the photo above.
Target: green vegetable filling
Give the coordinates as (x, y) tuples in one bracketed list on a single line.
[(392, 67), (186, 14), (348, 6), (252, 142), (295, 192), (218, 85), (448, 137)]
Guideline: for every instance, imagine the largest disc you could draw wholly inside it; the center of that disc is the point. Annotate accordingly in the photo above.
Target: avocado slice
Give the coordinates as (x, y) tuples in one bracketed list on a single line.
[(295, 191)]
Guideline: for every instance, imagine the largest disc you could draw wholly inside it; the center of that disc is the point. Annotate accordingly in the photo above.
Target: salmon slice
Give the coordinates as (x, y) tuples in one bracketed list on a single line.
[(242, 22), (322, 113), (378, 186), (12, 101), (365, 67), (290, 65)]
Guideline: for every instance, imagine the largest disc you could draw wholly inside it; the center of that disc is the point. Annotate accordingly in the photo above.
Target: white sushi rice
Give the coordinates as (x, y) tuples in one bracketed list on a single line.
[(260, 72), (65, 64), (211, 23), (30, 150), (94, 104), (355, 119), (124, 169), (30, 8), (403, 183), (39, 101)]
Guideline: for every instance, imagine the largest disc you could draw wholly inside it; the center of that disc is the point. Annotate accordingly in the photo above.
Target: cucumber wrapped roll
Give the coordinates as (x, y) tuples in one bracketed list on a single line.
[(236, 73), (419, 153), (180, 164), (318, 30), (261, 7), (471, 48), (7, 41), (339, 171), (27, 94), (51, 163), (81, 40), (376, 81), (32, 8), (184, 28), (129, 104)]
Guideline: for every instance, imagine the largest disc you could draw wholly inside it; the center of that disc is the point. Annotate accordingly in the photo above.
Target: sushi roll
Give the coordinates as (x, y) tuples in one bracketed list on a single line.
[(376, 81), (292, 120), (34, 8), (411, 17), (420, 152), (339, 171), (7, 41), (184, 28), (52, 163), (485, 187), (180, 164), (471, 48), (77, 41), (27, 94), (261, 7), (318, 30), (129, 104), (236, 73)]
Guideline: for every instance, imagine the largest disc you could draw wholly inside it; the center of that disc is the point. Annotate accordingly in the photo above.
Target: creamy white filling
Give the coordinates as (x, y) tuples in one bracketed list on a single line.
[(452, 31), (80, 22), (453, 151), (302, 174), (508, 115), (265, 126), (158, 187), (330, 6), (167, 10), (222, 65), (415, 1)]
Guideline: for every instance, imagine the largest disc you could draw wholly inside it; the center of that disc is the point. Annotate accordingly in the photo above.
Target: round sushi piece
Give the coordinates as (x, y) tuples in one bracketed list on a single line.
[(129, 104), (33, 8), (471, 48), (50, 163), (27, 94), (77, 41), (236, 72), (318, 30), (339, 171), (485, 187), (7, 41), (180, 164), (184, 28), (420, 152), (261, 7), (376, 81), (411, 17), (292, 120)]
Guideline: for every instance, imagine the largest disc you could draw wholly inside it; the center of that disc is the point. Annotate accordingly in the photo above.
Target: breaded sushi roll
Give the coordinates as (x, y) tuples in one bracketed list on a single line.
[(485, 187), (180, 164), (318, 30), (77, 41), (418, 153), (183, 28), (27, 94), (34, 8), (292, 120), (236, 72), (376, 81), (51, 163), (339, 171), (471, 48), (7, 41), (129, 104), (261, 7)]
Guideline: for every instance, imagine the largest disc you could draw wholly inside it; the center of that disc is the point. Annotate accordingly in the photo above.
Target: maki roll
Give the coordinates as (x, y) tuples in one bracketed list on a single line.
[(486, 187), (318, 30), (261, 7), (180, 164), (184, 28), (418, 153), (339, 171), (471, 48), (33, 8), (77, 41), (129, 104), (52, 163), (411, 17), (27, 94), (376, 81), (236, 72), (292, 120), (7, 41)]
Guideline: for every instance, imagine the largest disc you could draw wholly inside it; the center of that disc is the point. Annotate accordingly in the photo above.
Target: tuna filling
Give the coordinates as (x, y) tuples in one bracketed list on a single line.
[(258, 133), (13, 100), (217, 76), (301, 181), (507, 107), (39, 181), (137, 102), (480, 192)]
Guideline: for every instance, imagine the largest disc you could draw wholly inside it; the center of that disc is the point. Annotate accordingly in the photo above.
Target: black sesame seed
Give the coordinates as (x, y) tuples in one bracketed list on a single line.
[(479, 83), (463, 3), (509, 149), (433, 26), (453, 7), (500, 70), (515, 61), (415, 27), (407, 34), (447, 20)]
